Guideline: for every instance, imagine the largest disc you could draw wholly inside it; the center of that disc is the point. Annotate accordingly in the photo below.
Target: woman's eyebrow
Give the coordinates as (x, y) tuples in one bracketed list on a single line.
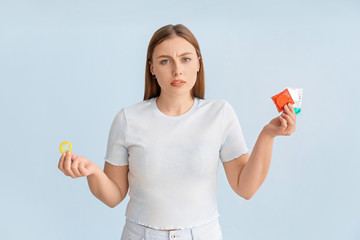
[(186, 53)]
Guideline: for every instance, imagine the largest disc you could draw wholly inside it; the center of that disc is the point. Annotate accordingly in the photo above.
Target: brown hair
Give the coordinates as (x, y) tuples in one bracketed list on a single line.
[(152, 88)]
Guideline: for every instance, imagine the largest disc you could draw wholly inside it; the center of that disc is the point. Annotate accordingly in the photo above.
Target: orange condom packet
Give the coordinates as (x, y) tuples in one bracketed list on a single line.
[(281, 99)]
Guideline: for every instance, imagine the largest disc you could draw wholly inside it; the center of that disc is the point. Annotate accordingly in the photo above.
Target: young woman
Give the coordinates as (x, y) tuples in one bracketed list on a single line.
[(167, 148)]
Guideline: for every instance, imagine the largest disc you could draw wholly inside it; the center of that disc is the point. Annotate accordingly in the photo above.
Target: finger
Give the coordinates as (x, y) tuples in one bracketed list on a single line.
[(67, 165), (61, 163), (292, 109), (75, 167), (290, 124), (288, 119), (283, 123), (289, 113), (293, 117), (289, 109)]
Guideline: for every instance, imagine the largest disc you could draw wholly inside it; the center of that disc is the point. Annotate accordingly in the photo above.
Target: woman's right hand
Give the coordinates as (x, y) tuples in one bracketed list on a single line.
[(76, 166)]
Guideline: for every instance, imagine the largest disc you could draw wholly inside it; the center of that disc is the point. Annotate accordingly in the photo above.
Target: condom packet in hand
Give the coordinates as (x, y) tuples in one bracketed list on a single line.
[(296, 94), (289, 95)]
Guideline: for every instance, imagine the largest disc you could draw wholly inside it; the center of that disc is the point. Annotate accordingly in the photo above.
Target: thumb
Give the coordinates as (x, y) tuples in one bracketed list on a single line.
[(72, 155)]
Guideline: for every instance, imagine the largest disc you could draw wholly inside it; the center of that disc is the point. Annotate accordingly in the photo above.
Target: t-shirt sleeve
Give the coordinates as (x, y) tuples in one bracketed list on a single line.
[(233, 143), (117, 152)]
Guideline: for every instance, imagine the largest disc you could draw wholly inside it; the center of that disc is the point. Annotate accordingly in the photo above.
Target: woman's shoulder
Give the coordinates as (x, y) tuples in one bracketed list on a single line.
[(135, 108), (138, 107), (213, 102)]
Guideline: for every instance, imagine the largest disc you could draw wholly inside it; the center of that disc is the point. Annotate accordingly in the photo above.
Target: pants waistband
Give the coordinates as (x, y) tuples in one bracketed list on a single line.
[(173, 234)]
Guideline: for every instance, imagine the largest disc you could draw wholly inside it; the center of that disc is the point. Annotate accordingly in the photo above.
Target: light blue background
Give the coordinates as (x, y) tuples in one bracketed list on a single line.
[(67, 67)]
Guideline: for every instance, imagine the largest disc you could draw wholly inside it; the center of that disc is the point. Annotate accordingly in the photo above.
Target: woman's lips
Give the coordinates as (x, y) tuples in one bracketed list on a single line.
[(177, 83)]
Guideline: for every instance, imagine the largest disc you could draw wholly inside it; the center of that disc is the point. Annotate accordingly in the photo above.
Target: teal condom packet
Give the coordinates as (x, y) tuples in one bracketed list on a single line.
[(296, 95)]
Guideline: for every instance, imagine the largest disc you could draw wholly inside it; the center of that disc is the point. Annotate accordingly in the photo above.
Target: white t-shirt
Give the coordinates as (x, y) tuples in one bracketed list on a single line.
[(173, 160)]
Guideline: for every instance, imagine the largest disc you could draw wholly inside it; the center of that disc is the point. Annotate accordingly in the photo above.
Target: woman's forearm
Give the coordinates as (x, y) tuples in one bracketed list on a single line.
[(103, 188), (255, 171)]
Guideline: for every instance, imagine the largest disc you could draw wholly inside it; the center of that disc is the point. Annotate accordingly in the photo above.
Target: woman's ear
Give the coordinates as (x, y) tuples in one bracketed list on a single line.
[(151, 68)]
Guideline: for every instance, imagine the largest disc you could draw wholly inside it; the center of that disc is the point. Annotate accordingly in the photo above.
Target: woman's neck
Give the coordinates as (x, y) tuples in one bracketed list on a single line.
[(174, 106)]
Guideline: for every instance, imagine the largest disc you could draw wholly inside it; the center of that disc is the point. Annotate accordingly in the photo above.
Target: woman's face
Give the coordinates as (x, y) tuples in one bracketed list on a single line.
[(175, 59)]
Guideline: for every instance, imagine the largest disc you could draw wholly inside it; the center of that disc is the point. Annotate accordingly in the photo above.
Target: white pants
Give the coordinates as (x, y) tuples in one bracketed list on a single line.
[(209, 231)]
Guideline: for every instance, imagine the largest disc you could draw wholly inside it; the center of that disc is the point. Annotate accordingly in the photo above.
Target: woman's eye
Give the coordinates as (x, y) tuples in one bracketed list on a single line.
[(164, 61), (187, 60)]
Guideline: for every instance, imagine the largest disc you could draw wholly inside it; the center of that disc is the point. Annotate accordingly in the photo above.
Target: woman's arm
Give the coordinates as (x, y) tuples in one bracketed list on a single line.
[(111, 185), (256, 169), (252, 170)]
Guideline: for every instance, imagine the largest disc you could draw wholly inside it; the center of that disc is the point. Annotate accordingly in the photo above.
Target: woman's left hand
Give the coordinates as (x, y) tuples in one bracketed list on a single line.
[(285, 124)]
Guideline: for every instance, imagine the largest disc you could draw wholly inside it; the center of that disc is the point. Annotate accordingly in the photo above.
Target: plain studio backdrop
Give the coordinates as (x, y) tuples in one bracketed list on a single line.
[(67, 68)]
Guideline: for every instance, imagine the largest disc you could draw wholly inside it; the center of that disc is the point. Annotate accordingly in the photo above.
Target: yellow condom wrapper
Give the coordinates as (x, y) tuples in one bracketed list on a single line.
[(65, 147)]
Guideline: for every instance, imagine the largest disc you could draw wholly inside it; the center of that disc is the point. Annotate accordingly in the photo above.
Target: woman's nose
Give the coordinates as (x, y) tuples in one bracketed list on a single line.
[(177, 68)]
